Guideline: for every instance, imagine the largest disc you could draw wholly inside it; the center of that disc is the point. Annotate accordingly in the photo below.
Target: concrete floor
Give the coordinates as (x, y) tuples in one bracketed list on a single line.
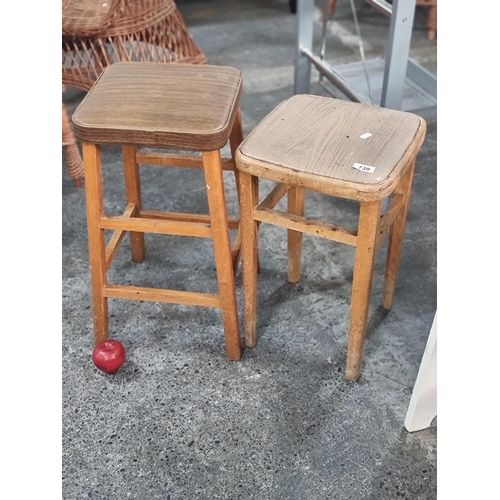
[(180, 421)]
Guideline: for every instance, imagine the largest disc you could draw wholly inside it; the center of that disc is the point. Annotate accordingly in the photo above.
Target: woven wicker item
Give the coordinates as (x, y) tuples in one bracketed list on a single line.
[(73, 158), (97, 33)]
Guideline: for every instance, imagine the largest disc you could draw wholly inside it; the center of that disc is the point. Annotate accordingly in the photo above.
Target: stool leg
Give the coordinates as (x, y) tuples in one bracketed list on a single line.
[(369, 216), (296, 201), (396, 240), (222, 248), (133, 191), (97, 245), (249, 229), (235, 140)]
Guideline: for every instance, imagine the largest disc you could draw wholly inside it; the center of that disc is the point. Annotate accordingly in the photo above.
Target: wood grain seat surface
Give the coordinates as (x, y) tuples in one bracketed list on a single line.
[(178, 106), (314, 142)]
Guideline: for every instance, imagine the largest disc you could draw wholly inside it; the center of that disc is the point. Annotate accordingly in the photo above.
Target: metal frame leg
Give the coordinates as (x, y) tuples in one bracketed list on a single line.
[(305, 26), (397, 52)]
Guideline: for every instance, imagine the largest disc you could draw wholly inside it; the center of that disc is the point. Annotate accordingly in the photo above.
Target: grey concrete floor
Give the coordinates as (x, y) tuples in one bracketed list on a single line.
[(180, 421)]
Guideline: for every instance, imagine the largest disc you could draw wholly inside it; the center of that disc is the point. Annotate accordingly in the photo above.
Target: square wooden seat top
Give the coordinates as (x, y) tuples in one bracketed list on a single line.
[(177, 106), (333, 146)]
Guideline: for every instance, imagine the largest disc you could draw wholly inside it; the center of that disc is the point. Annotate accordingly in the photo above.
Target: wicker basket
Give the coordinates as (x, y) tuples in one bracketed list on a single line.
[(73, 158), (97, 33), (125, 30)]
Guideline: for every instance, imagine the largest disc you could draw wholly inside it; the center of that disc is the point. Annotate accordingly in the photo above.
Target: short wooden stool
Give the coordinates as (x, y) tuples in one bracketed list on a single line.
[(340, 148), (170, 107)]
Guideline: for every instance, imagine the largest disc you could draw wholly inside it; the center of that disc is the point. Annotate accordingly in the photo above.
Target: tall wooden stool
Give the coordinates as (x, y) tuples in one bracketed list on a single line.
[(173, 107), (339, 148)]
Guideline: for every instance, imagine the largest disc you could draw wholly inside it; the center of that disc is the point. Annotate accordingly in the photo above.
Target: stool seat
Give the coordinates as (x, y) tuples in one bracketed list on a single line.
[(182, 106), (333, 146)]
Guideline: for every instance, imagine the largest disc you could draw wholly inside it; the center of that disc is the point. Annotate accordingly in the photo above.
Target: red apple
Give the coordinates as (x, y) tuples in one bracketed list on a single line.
[(108, 356)]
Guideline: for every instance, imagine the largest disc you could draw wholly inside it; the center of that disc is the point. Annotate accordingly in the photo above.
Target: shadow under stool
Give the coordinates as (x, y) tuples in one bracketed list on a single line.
[(339, 148), (180, 108)]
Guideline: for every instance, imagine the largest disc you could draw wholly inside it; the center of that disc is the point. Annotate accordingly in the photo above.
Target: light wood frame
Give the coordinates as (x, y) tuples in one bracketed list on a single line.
[(135, 221), (374, 226)]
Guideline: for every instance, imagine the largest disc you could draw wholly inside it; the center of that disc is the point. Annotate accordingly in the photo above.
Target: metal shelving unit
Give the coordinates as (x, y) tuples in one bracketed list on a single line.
[(395, 80)]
